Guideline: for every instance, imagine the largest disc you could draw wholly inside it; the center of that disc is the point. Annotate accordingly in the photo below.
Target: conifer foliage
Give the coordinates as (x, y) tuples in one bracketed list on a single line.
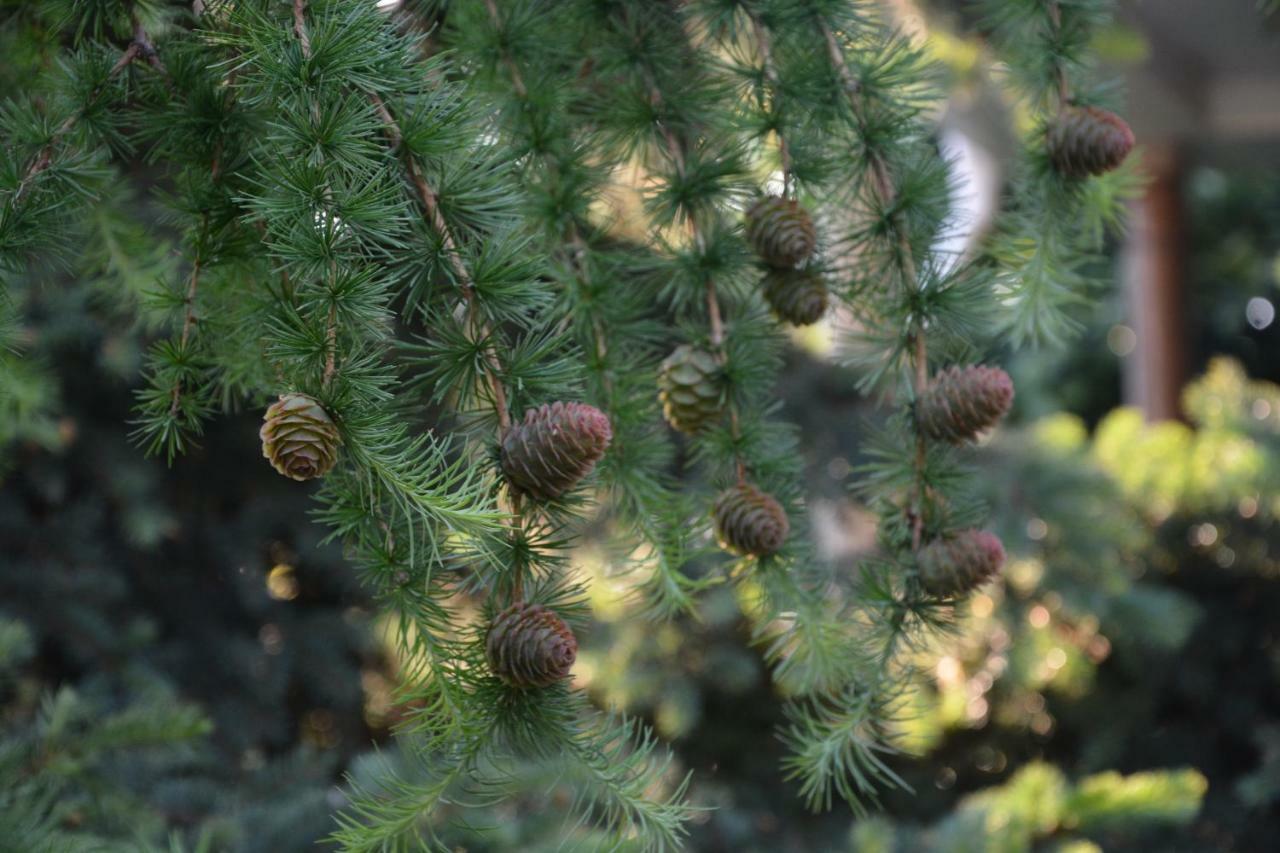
[(396, 236)]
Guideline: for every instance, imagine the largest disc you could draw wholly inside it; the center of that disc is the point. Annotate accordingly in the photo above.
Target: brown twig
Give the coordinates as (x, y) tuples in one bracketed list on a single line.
[(45, 158), (517, 82), (300, 27), (188, 321), (147, 50), (771, 74), (431, 205), (331, 325), (715, 319), (1064, 88), (882, 186)]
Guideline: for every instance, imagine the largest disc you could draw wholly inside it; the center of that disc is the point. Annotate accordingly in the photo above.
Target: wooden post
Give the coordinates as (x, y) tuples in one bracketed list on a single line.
[(1152, 270)]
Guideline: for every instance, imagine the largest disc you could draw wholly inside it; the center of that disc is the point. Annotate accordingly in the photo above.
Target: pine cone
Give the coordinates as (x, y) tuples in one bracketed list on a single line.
[(961, 402), (554, 448), (781, 231), (960, 564), (530, 646), (797, 296), (1085, 141), (749, 521), (299, 438), (690, 388)]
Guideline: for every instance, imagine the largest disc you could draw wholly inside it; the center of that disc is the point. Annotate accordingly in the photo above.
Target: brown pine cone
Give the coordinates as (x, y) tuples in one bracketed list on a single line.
[(960, 564), (797, 296), (749, 521), (961, 402), (1084, 141), (554, 448), (690, 388), (530, 646), (299, 438), (781, 231)]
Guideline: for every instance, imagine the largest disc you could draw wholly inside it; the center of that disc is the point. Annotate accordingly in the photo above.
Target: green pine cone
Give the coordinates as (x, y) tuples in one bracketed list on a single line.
[(1084, 141), (749, 522), (299, 438), (554, 448), (691, 388), (530, 646), (781, 231), (797, 296), (960, 564), (961, 402)]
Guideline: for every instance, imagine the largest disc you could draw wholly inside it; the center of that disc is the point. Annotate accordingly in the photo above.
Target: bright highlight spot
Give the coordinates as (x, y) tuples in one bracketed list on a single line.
[(281, 584), (1121, 340), (1260, 312)]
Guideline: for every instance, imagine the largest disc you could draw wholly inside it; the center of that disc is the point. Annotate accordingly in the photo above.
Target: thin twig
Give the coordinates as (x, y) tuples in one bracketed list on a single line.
[(715, 319), (431, 205), (1060, 69), (300, 26), (331, 325), (882, 186), (45, 158), (771, 74), (189, 320), (517, 82)]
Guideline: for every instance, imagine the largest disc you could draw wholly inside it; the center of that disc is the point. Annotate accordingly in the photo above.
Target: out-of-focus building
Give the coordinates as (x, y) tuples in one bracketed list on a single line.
[(1206, 93)]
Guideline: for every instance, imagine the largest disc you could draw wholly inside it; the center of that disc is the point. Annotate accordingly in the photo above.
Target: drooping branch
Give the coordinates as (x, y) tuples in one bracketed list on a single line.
[(462, 276), (765, 45), (882, 186)]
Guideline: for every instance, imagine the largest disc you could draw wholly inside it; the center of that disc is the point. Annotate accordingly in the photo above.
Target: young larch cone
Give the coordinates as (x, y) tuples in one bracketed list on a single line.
[(749, 521), (797, 296), (781, 231), (530, 646), (554, 447), (690, 388), (299, 438), (961, 402), (1084, 141), (960, 564)]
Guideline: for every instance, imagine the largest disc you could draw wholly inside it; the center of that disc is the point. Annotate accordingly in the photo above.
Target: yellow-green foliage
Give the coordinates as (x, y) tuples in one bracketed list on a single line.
[(1038, 803), (1223, 457)]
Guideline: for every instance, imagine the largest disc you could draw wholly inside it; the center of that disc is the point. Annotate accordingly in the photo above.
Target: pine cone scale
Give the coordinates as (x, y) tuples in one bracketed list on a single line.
[(960, 564), (299, 438), (554, 448), (1084, 141), (530, 646), (749, 521), (797, 296), (961, 402), (781, 231), (690, 388)]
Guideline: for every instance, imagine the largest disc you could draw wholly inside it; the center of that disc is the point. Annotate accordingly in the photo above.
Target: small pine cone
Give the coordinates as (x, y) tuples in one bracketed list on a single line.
[(961, 402), (530, 646), (1084, 141), (781, 231), (960, 564), (554, 448), (299, 438), (749, 521), (797, 296), (690, 388)]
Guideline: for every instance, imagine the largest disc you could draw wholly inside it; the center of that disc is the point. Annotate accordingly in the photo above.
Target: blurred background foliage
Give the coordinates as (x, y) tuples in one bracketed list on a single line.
[(182, 666)]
